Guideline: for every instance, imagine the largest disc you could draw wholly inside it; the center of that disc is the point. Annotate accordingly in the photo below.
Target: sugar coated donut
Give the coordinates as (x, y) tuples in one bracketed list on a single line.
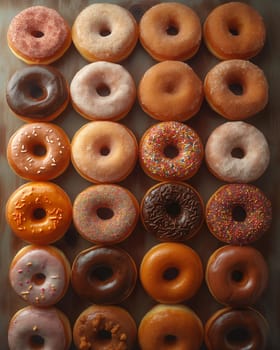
[(170, 326), (239, 329), (39, 151), (104, 275), (105, 32), (103, 91), (39, 328), (234, 30), (104, 327), (38, 35), (39, 212), (237, 152), (236, 89), (170, 90), (105, 214), (170, 151), (104, 151), (236, 276), (171, 272), (40, 275), (170, 31), (238, 214), (172, 211), (37, 93)]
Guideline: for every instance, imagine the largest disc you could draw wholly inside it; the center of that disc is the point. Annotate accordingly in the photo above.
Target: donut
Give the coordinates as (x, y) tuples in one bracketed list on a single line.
[(170, 31), (38, 328), (170, 326), (37, 93), (237, 152), (236, 89), (103, 91), (231, 328), (38, 35), (234, 30), (172, 211), (238, 214), (39, 212), (236, 276), (170, 90), (40, 275), (104, 275), (104, 327), (105, 213), (39, 151), (171, 272), (104, 151), (170, 151), (105, 32)]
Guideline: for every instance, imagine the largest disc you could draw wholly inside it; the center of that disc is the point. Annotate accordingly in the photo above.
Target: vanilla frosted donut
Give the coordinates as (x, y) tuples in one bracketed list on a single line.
[(104, 151), (103, 90), (237, 152)]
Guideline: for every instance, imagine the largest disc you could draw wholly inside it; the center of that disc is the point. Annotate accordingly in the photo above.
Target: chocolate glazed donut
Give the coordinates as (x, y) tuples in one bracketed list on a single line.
[(172, 211)]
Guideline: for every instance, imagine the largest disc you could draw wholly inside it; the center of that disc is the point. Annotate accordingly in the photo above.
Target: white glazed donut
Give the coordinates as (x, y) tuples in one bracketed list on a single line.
[(237, 152)]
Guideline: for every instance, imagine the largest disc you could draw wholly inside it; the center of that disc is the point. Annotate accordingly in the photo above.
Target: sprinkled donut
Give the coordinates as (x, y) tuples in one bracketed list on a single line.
[(105, 214), (38, 35), (170, 151), (40, 275), (238, 214), (39, 151)]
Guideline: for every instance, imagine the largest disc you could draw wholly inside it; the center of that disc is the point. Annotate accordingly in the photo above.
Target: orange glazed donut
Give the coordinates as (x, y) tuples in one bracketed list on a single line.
[(170, 31), (170, 90), (236, 276), (38, 35), (171, 272), (39, 151), (234, 30), (39, 212), (104, 151), (170, 327), (105, 32), (236, 89)]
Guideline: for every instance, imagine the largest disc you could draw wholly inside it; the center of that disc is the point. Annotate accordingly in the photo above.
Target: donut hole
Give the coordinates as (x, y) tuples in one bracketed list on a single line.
[(170, 339), (236, 88), (104, 336), (238, 336), (234, 30), (39, 150), (173, 209), (238, 213), (103, 90), (237, 276), (172, 29), (38, 279), (104, 213), (39, 213), (36, 92), (170, 273), (36, 342), (237, 153), (105, 31), (37, 34), (104, 151), (101, 273), (171, 151)]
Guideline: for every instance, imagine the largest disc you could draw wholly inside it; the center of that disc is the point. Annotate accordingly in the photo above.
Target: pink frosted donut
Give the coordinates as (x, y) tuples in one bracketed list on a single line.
[(37, 328), (105, 214), (103, 91), (40, 275)]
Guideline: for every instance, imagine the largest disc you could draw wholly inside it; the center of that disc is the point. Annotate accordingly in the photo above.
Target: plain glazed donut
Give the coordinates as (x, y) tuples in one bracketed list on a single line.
[(236, 89), (240, 329), (170, 327), (234, 30), (170, 151), (104, 151), (236, 276), (40, 275), (103, 91), (238, 214), (105, 214), (105, 32), (38, 35), (172, 211), (170, 90), (104, 327), (170, 31), (104, 275), (39, 328), (237, 152), (37, 93), (171, 272), (39, 151), (39, 212)]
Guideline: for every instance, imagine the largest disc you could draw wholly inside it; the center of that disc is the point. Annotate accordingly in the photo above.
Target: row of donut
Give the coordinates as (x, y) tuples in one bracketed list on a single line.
[(108, 32)]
